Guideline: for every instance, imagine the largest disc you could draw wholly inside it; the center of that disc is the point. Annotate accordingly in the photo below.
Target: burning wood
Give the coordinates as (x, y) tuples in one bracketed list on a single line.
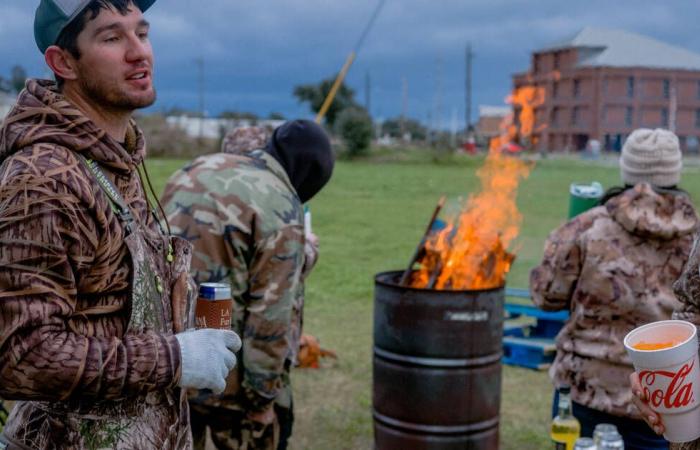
[(471, 251), (420, 250)]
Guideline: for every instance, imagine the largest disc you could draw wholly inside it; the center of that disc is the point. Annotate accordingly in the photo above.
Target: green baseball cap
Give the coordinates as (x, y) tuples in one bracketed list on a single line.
[(52, 16)]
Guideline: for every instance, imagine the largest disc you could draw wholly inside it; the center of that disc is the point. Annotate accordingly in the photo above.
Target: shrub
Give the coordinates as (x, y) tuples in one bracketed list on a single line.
[(355, 128)]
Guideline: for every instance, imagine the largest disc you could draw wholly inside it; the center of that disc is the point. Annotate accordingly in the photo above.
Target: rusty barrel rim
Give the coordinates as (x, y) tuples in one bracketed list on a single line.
[(390, 279)]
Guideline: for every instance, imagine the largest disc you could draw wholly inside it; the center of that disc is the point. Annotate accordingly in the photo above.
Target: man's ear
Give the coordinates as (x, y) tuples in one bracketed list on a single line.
[(61, 62)]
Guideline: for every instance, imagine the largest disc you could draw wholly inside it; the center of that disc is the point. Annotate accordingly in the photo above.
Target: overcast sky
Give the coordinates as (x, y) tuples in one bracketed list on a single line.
[(256, 52)]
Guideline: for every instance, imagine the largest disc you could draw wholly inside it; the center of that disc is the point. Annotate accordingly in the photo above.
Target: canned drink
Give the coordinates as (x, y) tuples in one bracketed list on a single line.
[(584, 443), (214, 305), (602, 429)]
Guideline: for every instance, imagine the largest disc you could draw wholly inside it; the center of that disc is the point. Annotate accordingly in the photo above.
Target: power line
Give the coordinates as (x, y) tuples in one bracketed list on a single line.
[(348, 62), (369, 26)]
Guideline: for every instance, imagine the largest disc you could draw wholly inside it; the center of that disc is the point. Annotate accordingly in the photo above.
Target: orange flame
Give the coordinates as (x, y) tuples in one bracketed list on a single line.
[(509, 132), (527, 98), (471, 251), (524, 99)]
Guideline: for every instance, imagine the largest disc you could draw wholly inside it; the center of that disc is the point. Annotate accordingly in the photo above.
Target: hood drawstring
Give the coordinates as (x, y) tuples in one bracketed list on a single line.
[(130, 142), (153, 195)]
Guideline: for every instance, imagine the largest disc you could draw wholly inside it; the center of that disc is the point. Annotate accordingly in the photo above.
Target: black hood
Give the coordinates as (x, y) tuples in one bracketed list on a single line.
[(304, 150)]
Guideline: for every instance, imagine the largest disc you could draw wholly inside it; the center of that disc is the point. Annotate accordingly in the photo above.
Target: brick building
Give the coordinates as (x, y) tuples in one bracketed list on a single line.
[(490, 120), (602, 84)]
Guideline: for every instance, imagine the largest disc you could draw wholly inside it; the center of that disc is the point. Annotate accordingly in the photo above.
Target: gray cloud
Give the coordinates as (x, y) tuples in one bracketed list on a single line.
[(256, 52)]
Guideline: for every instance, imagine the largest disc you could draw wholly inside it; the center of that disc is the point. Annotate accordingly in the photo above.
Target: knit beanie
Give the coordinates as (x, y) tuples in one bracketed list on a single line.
[(304, 150), (652, 156)]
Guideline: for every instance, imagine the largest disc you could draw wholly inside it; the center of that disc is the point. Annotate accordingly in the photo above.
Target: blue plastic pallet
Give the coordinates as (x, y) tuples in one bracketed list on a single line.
[(515, 329), (548, 323), (533, 353), (530, 344)]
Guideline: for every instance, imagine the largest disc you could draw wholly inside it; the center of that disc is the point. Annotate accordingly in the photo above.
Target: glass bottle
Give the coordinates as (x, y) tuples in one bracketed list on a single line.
[(611, 441), (602, 429), (565, 427), (584, 443)]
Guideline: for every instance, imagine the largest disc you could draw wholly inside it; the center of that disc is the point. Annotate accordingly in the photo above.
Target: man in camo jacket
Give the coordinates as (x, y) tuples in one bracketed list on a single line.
[(93, 291), (242, 211)]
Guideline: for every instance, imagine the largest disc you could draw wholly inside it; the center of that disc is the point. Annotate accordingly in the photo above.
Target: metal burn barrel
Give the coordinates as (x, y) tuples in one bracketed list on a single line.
[(436, 367)]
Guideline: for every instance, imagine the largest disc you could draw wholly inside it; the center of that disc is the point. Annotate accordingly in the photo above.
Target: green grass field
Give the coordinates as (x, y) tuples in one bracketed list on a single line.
[(369, 219)]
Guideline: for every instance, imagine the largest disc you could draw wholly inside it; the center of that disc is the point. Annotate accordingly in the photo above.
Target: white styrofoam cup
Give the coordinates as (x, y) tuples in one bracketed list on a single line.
[(670, 376)]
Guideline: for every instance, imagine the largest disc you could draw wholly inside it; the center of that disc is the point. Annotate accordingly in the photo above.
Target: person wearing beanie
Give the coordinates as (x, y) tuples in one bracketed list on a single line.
[(95, 292), (613, 268), (651, 156), (242, 209)]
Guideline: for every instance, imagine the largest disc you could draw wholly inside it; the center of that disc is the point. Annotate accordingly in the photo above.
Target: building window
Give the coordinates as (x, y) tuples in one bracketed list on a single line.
[(697, 118), (664, 117), (577, 88), (535, 64), (575, 115), (555, 89), (699, 89), (667, 89), (630, 87), (556, 60), (555, 117), (629, 112)]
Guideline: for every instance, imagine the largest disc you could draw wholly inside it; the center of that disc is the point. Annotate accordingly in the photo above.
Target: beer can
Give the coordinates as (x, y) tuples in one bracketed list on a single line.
[(214, 304)]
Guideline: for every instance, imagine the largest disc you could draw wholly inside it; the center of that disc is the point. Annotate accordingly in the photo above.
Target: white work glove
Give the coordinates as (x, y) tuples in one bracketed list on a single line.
[(310, 254), (208, 355)]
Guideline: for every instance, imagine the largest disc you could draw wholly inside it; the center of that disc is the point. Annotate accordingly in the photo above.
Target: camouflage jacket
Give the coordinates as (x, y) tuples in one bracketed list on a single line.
[(613, 268), (687, 289), (245, 221), (66, 286)]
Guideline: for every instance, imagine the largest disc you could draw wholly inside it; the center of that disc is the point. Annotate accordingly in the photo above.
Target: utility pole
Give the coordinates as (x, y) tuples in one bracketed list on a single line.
[(368, 93), (673, 107), (468, 90), (438, 93), (430, 128), (200, 81), (453, 128), (404, 104)]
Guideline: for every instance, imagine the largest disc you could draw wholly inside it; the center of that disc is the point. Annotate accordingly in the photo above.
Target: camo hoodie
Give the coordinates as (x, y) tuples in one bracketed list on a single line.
[(65, 289), (613, 268)]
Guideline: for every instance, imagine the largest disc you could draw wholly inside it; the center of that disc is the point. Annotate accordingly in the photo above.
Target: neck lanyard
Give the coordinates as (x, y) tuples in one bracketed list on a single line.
[(116, 200)]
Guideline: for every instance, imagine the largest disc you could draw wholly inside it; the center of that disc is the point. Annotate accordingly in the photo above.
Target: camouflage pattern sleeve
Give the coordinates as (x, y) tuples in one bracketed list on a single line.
[(274, 277), (46, 236), (687, 287), (553, 281), (694, 445)]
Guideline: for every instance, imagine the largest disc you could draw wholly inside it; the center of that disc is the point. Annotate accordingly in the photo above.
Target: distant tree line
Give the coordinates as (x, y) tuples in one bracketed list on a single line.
[(15, 82), (351, 121)]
